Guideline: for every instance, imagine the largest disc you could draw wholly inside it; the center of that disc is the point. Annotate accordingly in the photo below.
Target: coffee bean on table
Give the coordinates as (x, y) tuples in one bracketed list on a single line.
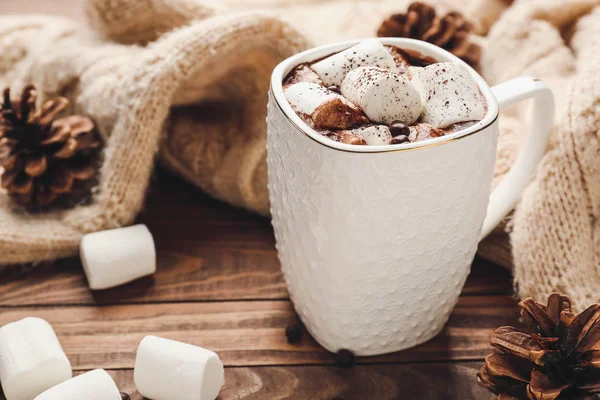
[(398, 128), (334, 88), (294, 333), (345, 358)]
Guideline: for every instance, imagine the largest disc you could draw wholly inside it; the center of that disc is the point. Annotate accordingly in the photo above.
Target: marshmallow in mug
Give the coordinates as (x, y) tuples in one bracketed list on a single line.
[(333, 69), (450, 95), (31, 359), (384, 96), (170, 370), (93, 385), (326, 108), (376, 135)]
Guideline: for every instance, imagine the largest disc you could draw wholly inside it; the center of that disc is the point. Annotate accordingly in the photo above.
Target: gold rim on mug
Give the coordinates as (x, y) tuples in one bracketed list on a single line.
[(424, 146)]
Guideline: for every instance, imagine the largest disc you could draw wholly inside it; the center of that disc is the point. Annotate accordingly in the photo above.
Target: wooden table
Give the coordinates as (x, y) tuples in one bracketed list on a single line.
[(219, 286)]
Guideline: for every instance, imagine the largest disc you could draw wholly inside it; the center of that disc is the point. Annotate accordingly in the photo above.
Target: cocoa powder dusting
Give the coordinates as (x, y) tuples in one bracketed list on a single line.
[(335, 118)]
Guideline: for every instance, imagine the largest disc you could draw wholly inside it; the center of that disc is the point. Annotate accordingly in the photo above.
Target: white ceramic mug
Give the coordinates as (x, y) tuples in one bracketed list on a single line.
[(376, 242)]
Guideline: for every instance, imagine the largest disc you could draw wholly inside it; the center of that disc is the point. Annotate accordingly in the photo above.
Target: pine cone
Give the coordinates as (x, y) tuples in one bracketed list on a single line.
[(450, 32), (44, 158), (559, 357)]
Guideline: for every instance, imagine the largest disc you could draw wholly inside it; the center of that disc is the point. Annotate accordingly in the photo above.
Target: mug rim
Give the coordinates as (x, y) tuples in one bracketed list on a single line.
[(427, 49)]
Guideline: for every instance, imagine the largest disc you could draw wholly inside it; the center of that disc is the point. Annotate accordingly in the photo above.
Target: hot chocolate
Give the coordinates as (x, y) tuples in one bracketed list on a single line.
[(371, 94)]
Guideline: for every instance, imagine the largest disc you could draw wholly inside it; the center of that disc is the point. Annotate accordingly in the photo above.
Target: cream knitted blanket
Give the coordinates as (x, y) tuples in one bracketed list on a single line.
[(554, 236), (139, 94), (188, 79)]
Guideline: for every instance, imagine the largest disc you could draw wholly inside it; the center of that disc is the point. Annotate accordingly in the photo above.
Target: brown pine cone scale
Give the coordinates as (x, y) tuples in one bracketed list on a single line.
[(558, 357), (451, 31), (45, 158)]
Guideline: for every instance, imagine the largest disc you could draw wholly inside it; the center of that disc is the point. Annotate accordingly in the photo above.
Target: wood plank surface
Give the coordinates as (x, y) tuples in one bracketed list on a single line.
[(382, 382), (246, 333), (219, 286)]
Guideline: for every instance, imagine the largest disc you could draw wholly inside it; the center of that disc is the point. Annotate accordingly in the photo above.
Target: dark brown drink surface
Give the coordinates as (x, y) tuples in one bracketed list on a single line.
[(342, 129)]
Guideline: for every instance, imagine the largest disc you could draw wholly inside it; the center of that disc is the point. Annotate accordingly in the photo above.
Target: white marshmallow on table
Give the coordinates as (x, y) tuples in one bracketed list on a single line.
[(169, 370), (333, 69), (450, 95), (384, 96), (375, 135), (93, 385), (115, 257), (31, 359)]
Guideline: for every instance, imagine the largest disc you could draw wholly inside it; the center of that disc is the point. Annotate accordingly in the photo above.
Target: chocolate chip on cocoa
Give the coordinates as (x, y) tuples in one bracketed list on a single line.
[(398, 128), (400, 139), (294, 333), (345, 358), (334, 88)]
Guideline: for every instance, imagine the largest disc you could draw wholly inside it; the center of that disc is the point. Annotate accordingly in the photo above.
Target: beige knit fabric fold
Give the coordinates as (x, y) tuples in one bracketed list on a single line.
[(554, 233), (130, 91), (142, 21)]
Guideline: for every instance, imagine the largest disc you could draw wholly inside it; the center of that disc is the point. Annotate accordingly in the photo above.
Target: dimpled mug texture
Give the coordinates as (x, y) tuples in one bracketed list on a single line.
[(375, 247)]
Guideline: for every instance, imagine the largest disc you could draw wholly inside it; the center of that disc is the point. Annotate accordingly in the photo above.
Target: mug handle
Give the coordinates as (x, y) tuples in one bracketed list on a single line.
[(508, 192)]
